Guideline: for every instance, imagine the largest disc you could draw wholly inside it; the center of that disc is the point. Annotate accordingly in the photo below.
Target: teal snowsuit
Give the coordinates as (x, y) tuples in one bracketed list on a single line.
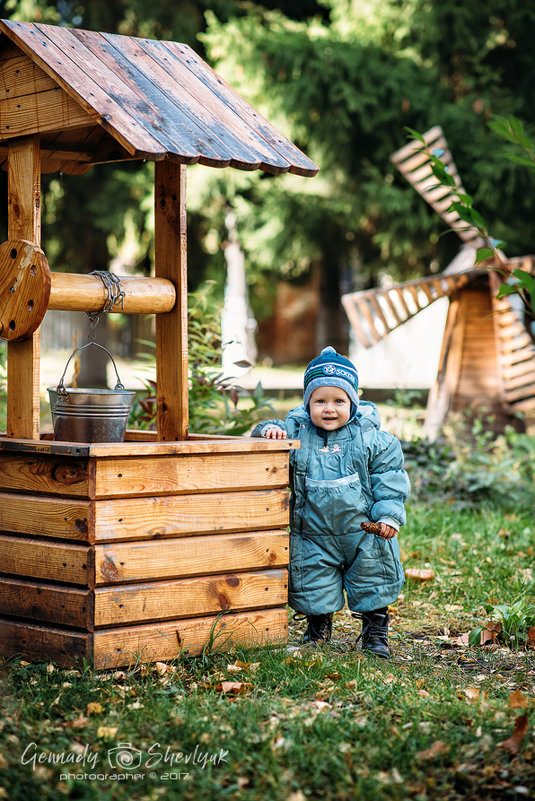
[(339, 479)]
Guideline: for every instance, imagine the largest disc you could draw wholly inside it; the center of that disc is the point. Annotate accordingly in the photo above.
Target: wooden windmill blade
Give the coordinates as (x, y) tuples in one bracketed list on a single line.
[(374, 313), (516, 348), (413, 161)]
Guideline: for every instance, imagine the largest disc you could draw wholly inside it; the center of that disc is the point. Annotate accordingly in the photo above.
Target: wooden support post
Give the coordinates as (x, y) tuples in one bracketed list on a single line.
[(24, 222), (170, 253)]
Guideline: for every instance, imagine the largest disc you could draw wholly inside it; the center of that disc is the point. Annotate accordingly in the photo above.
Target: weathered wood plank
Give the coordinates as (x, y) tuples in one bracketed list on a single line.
[(171, 475), (190, 556), (150, 518), (168, 640), (246, 149), (170, 262), (24, 222), (63, 646), (301, 164), (51, 603), (41, 112), (146, 446), (145, 93), (49, 474), (47, 517), (83, 80), (37, 558), (192, 597)]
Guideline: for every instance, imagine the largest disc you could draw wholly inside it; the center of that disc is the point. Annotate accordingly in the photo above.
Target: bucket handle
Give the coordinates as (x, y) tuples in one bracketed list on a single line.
[(61, 386)]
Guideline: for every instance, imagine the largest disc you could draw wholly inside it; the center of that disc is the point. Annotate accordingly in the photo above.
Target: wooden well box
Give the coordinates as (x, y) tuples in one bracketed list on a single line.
[(163, 544), (114, 553)]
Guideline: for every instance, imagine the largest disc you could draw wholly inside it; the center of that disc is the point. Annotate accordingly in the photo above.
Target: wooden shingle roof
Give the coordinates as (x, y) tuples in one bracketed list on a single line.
[(105, 97)]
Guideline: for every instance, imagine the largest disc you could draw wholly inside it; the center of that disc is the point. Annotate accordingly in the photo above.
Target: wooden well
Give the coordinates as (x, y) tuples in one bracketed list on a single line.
[(163, 544)]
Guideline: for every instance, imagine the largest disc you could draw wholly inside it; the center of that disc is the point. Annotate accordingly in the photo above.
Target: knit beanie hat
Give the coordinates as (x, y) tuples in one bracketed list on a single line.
[(329, 369)]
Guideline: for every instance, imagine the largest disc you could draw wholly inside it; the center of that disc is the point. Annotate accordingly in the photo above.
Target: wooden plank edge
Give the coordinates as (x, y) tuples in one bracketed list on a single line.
[(193, 445), (188, 637), (37, 642), (44, 602)]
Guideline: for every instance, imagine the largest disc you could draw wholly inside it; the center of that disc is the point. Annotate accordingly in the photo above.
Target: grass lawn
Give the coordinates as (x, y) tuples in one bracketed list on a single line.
[(441, 720)]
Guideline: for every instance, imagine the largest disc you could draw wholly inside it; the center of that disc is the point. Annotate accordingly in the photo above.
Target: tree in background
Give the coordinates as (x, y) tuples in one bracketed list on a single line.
[(342, 78)]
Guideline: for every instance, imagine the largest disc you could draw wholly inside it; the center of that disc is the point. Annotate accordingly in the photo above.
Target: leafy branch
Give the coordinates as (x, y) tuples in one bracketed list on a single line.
[(517, 281)]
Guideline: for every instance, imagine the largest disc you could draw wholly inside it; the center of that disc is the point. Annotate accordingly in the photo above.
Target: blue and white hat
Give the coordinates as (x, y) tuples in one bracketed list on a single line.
[(329, 369)]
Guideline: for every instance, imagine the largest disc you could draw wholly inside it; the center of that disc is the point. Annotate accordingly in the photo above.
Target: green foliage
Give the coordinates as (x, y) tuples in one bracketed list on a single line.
[(514, 624), (522, 283), (216, 404), (471, 466)]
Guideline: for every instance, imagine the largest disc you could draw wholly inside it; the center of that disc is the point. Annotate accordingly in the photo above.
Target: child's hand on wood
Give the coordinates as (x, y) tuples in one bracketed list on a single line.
[(380, 529), (274, 432)]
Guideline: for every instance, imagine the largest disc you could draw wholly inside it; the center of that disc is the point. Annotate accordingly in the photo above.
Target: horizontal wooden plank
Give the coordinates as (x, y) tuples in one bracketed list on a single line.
[(37, 113), (20, 76), (38, 558), (169, 640), (174, 474), (150, 518), (65, 647), (191, 597), (47, 517), (144, 447), (58, 475), (190, 556), (54, 604)]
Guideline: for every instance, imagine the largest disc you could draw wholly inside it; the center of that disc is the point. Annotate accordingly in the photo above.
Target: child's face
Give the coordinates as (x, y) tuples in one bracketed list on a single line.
[(330, 408)]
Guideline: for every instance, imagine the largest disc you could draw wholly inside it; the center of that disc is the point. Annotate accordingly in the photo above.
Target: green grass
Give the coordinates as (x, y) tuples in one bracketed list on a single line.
[(300, 723)]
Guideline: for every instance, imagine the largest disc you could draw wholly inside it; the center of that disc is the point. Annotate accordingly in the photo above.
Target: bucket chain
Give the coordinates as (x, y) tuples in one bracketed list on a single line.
[(112, 284)]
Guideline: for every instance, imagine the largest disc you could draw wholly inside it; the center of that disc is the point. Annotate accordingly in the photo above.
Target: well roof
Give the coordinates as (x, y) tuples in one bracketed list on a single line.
[(148, 99)]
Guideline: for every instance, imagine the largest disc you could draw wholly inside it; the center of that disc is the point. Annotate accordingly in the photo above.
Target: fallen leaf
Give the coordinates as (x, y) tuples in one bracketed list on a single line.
[(107, 732), (78, 723), (94, 708), (420, 573), (513, 743), (161, 668), (472, 693), (437, 749), (232, 687), (234, 668), (517, 700)]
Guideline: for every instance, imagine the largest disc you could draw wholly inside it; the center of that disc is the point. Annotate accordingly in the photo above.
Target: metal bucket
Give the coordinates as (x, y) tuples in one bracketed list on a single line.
[(90, 415)]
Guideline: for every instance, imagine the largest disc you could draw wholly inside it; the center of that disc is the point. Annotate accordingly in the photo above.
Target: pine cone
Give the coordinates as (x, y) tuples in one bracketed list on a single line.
[(371, 528)]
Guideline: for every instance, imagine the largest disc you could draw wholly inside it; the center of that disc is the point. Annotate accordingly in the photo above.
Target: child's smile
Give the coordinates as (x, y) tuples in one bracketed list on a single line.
[(330, 408)]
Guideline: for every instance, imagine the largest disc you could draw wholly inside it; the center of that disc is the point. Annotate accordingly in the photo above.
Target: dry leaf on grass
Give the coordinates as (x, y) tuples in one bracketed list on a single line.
[(420, 573), (517, 700), (95, 708), (233, 687), (437, 749), (513, 743)]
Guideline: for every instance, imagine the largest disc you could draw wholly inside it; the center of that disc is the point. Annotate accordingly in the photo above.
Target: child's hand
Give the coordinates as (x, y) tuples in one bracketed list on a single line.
[(387, 532), (274, 432)]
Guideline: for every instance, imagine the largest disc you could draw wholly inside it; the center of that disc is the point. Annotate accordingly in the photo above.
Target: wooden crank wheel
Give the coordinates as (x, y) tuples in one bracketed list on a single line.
[(24, 288)]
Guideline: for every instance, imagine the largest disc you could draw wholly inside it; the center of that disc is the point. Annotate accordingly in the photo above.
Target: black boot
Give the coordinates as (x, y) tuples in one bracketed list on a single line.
[(319, 628), (375, 633)]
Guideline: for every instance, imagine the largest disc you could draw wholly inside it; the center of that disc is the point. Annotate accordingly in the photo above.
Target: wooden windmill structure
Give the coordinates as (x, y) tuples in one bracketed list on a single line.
[(487, 359), (147, 548)]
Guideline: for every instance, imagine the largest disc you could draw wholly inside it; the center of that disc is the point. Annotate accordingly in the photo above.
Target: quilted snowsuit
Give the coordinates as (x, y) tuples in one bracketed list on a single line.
[(339, 479)]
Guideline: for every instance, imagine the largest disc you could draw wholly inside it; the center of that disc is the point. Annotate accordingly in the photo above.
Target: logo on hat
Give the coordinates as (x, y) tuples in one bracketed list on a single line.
[(329, 369)]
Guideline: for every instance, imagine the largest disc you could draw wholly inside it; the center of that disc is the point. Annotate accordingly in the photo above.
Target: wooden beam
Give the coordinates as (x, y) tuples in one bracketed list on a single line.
[(24, 222), (170, 255), (71, 292)]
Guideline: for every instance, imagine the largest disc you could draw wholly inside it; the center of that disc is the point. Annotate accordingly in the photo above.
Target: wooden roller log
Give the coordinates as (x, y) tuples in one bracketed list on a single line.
[(28, 289), (72, 292)]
